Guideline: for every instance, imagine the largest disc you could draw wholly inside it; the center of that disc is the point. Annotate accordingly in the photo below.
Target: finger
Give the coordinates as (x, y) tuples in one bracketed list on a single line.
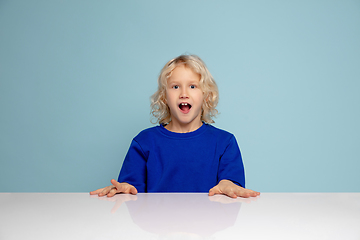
[(124, 187), (128, 188), (118, 185), (214, 190), (133, 190), (211, 192), (246, 193), (257, 193), (112, 192), (96, 191), (230, 193), (243, 192), (253, 193), (106, 190)]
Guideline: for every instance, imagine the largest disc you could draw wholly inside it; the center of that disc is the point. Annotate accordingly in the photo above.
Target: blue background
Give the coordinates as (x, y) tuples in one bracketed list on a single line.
[(76, 77)]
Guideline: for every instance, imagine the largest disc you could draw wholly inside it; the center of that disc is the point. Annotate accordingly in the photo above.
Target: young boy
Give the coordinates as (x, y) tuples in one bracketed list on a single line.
[(184, 153)]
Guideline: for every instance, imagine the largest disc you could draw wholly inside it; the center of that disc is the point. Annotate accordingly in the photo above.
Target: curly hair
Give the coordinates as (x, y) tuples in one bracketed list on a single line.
[(161, 111)]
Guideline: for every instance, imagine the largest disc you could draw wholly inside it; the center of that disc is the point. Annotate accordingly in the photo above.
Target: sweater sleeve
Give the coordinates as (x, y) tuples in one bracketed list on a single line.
[(133, 170), (231, 165)]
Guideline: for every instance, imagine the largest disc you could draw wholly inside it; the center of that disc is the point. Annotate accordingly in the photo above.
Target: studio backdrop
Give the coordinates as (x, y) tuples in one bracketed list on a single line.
[(76, 78)]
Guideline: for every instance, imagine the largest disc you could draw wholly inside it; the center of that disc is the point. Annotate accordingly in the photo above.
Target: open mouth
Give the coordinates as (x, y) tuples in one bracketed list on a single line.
[(184, 107)]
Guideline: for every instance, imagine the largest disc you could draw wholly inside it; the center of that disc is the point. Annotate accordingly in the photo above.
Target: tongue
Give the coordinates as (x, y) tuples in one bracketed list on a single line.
[(185, 108)]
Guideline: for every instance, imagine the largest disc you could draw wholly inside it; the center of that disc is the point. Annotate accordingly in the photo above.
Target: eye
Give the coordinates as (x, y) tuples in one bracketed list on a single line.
[(192, 86), (175, 87)]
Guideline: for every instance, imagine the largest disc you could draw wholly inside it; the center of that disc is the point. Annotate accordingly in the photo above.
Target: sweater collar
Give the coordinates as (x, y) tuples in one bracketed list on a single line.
[(195, 133)]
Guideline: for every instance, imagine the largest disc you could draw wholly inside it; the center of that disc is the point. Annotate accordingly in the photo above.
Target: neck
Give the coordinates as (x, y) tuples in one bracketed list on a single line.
[(183, 128)]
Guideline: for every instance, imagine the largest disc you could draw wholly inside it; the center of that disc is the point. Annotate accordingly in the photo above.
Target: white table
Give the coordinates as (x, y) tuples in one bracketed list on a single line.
[(179, 216)]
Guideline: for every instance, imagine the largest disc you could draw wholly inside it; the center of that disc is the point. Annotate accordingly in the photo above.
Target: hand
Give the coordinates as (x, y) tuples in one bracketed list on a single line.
[(115, 188), (232, 190)]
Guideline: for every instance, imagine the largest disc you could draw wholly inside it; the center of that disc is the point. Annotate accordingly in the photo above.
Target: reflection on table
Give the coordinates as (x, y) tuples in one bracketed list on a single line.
[(183, 214)]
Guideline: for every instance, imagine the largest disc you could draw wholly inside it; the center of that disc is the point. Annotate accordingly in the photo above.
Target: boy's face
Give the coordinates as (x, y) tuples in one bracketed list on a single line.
[(184, 97)]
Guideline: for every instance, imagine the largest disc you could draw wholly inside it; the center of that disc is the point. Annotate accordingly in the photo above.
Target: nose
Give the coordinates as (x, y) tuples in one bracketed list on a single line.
[(184, 93)]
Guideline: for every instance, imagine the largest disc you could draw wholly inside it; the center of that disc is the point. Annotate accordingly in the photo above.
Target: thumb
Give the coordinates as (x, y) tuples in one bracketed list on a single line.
[(214, 190), (116, 184), (133, 190), (113, 181)]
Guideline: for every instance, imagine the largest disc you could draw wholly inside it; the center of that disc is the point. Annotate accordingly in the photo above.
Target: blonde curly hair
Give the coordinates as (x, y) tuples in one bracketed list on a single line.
[(161, 111)]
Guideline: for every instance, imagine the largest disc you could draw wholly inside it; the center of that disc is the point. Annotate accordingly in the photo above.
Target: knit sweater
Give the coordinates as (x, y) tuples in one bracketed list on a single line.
[(159, 160)]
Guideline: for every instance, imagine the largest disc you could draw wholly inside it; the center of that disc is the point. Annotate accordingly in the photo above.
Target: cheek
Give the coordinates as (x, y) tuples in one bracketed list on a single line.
[(167, 97), (201, 96)]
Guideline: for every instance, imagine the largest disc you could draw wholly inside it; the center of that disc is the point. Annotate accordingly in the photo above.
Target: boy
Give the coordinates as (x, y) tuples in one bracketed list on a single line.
[(184, 153)]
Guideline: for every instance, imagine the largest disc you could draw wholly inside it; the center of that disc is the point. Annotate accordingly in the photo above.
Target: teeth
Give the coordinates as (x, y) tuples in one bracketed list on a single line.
[(184, 104)]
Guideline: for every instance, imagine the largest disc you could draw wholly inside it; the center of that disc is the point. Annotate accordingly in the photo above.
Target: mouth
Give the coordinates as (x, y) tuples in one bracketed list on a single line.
[(185, 107)]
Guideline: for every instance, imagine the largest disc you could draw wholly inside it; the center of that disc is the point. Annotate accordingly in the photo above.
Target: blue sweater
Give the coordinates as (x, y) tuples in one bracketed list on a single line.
[(162, 161)]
